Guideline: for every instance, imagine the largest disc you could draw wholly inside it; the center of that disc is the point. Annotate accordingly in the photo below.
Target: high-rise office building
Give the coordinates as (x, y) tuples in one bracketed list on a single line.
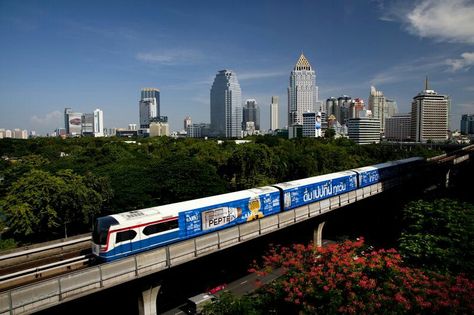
[(226, 109), (364, 130), (98, 123), (398, 127), (302, 92), (331, 106), (87, 124), (187, 122), (148, 111), (467, 124), (149, 106), (251, 113), (72, 122), (312, 124), (429, 116), (274, 117), (356, 106), (344, 103), (309, 124), (377, 104), (391, 108)]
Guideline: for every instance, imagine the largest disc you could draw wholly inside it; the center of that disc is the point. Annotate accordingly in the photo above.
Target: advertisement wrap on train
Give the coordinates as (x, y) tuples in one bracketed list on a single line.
[(203, 220), (302, 195)]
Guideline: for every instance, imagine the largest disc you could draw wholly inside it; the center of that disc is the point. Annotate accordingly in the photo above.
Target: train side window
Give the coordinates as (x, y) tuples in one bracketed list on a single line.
[(125, 236), (160, 227)]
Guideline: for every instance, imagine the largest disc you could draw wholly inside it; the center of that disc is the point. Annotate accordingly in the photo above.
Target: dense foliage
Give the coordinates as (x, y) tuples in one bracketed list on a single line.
[(350, 278), (51, 184), (439, 235)]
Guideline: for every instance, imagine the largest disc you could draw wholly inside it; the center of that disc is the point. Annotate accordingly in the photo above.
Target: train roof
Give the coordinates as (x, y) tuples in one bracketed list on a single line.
[(388, 164), (314, 179), (164, 212)]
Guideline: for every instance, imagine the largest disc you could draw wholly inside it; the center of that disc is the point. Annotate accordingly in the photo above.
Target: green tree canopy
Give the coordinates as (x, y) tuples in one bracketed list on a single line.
[(40, 205), (439, 235), (179, 178)]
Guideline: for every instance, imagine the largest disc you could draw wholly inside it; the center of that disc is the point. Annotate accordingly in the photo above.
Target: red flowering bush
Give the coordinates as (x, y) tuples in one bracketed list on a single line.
[(350, 278)]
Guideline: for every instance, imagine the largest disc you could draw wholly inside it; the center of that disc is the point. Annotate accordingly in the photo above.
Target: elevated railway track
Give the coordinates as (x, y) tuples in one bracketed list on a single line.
[(42, 261)]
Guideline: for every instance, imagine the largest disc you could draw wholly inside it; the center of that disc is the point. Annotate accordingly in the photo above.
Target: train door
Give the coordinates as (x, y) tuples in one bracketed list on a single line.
[(137, 241), (123, 241)]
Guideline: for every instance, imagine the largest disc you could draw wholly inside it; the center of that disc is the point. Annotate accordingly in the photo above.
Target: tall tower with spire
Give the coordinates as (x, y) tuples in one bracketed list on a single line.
[(429, 116), (302, 92)]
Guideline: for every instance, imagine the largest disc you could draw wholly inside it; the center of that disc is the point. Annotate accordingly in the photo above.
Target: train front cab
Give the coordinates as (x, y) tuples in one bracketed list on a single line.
[(100, 234)]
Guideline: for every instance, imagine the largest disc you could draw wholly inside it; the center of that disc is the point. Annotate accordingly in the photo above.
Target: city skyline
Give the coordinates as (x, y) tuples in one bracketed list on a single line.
[(85, 55)]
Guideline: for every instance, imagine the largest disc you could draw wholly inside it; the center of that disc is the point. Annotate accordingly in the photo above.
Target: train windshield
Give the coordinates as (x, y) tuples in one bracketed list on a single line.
[(101, 228)]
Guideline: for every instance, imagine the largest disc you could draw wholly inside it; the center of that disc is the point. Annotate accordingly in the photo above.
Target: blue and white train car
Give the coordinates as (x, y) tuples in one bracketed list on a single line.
[(127, 233), (370, 175), (213, 213), (301, 192)]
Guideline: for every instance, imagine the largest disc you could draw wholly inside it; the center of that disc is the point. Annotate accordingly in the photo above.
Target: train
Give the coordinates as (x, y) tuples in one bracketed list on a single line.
[(123, 234)]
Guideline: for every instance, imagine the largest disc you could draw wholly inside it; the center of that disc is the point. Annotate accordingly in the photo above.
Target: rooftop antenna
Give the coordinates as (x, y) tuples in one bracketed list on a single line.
[(426, 83)]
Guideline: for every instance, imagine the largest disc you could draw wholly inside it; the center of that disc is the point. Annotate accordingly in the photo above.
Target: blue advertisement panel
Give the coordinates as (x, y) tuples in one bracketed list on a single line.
[(306, 194), (368, 178), (381, 173), (204, 220)]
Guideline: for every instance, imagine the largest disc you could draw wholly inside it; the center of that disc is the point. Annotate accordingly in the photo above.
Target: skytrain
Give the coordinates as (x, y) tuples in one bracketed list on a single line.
[(123, 234)]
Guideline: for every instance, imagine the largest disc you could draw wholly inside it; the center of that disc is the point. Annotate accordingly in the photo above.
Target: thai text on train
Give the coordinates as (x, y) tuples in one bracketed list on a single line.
[(322, 191)]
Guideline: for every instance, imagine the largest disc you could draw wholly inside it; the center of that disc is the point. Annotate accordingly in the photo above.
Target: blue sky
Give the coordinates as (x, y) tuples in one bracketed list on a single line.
[(99, 54)]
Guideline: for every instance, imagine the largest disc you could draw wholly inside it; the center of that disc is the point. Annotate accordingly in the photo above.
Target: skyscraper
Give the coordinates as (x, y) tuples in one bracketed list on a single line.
[(149, 106), (344, 103), (356, 106), (187, 122), (331, 106), (152, 93), (274, 125), (377, 105), (98, 123), (429, 116), (87, 123), (72, 122), (251, 112), (226, 109), (302, 92), (467, 124)]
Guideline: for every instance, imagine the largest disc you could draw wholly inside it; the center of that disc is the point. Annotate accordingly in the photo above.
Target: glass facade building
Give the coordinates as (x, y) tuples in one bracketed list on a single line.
[(226, 108), (251, 112), (149, 106)]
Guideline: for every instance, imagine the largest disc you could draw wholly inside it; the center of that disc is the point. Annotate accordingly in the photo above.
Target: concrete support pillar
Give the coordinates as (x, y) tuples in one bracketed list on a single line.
[(147, 301), (318, 235)]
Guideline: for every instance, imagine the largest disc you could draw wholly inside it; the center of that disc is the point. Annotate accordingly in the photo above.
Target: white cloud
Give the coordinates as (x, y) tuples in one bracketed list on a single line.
[(464, 63), (170, 57), (443, 20), (54, 118)]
